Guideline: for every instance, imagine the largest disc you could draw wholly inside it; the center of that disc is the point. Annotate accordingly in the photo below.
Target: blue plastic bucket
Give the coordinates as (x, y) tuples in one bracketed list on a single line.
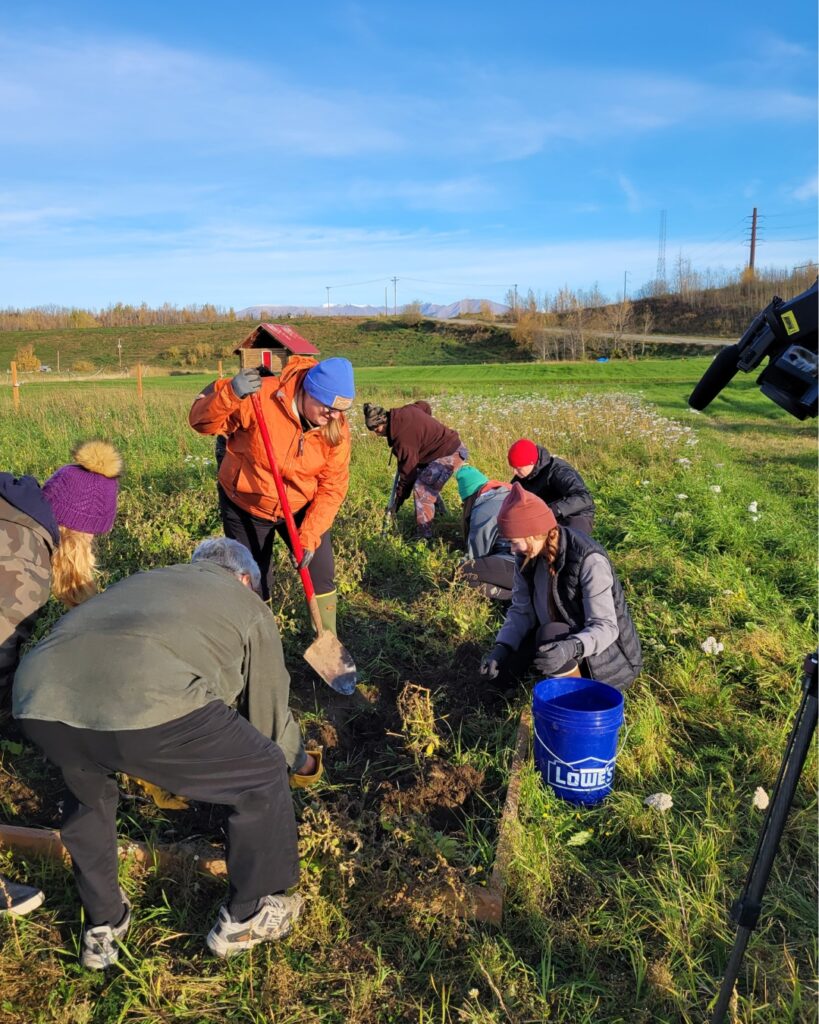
[(577, 722)]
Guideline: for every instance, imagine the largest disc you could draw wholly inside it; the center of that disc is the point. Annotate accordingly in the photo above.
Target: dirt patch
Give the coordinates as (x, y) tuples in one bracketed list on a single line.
[(432, 788)]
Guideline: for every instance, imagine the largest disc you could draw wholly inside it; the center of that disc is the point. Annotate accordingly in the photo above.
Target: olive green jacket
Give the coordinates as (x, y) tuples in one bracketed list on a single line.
[(155, 647)]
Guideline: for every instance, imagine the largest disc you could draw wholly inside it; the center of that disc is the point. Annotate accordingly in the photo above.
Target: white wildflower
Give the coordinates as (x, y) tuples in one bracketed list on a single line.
[(754, 519), (683, 461), (681, 497), (727, 593), (715, 488), (645, 483), (661, 802), (761, 799), (712, 646), (753, 507), (473, 993)]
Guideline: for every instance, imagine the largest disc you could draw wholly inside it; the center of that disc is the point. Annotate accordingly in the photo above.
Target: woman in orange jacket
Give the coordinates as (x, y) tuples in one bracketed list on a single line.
[(304, 412)]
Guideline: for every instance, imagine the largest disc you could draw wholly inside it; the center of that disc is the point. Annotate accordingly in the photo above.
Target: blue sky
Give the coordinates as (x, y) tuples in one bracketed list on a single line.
[(258, 152)]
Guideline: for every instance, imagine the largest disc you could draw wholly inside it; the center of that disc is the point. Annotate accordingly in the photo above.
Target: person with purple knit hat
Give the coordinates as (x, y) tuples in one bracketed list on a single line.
[(46, 542), (46, 547), (568, 607)]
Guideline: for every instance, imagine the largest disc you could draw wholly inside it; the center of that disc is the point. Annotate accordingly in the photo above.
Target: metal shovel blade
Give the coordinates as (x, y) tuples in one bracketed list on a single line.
[(330, 659)]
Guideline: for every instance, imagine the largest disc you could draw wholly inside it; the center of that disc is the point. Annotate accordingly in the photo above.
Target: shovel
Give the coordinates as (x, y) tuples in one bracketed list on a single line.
[(327, 656)]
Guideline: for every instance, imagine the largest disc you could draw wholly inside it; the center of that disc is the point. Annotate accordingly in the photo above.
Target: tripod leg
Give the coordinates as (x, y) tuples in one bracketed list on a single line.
[(745, 912)]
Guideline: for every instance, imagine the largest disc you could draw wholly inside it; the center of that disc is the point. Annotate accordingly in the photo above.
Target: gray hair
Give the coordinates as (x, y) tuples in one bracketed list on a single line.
[(231, 555)]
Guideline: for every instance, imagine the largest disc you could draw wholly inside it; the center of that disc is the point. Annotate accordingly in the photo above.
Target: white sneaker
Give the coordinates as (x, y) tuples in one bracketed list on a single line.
[(100, 944), (18, 899), (273, 920)]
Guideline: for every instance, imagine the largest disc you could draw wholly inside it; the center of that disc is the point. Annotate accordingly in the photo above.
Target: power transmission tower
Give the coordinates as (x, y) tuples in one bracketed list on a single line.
[(662, 285), (395, 296), (752, 258), (327, 286)]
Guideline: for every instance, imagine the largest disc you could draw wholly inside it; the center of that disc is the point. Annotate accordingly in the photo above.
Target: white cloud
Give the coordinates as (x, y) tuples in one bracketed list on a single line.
[(809, 189)]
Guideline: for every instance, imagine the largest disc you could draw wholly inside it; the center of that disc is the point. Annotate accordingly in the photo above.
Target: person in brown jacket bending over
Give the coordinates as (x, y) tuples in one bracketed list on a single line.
[(427, 452)]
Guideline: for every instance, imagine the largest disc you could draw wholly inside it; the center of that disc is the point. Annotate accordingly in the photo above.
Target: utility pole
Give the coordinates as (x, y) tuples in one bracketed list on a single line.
[(58, 360), (660, 282), (515, 303), (119, 350), (386, 306), (625, 285), (753, 242), (328, 298), (395, 296)]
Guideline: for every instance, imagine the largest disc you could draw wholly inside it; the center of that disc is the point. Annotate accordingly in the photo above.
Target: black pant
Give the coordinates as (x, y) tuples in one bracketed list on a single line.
[(257, 535), (213, 755), (492, 575)]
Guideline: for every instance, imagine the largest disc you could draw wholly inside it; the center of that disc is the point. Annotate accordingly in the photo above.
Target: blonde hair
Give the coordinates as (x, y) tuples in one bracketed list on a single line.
[(544, 545), (72, 567), (331, 431)]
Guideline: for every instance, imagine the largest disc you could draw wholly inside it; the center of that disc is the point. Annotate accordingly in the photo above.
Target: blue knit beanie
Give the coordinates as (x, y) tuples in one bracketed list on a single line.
[(469, 480), (331, 383)]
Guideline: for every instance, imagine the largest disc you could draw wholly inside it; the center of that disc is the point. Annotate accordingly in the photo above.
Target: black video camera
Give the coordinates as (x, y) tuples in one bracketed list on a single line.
[(786, 333)]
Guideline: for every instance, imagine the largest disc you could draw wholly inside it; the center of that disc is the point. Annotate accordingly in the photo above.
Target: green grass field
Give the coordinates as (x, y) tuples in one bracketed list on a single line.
[(615, 914)]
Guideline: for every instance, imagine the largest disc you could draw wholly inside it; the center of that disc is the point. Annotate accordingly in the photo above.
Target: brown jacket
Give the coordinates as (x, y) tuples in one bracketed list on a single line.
[(314, 473), (416, 439)]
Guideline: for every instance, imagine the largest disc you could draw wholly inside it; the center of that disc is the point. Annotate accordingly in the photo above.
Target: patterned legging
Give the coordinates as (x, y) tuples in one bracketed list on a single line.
[(428, 486)]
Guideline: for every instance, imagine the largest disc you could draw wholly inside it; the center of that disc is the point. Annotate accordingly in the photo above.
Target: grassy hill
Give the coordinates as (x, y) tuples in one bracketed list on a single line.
[(366, 342)]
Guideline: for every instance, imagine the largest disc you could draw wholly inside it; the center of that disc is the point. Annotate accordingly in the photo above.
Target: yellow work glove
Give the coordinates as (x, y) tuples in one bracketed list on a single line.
[(161, 797), (298, 781)]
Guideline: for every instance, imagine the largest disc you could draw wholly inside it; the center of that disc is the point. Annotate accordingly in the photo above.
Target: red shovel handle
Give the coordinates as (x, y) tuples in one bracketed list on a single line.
[(292, 531)]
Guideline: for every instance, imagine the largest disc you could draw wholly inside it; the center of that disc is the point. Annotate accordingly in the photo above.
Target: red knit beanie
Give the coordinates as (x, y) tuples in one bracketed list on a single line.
[(523, 514), (523, 453)]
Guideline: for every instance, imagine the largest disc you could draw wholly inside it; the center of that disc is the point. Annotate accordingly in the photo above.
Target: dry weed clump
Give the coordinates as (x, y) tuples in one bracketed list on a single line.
[(417, 713)]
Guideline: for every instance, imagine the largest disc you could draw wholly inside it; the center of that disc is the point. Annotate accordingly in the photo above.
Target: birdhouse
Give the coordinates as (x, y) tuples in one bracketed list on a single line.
[(271, 345)]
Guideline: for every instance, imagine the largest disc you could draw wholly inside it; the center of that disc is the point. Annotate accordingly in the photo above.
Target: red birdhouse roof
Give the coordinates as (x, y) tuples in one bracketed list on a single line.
[(284, 335)]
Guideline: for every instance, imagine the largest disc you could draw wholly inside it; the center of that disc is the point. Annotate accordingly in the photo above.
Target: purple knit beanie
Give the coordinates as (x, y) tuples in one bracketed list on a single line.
[(83, 496)]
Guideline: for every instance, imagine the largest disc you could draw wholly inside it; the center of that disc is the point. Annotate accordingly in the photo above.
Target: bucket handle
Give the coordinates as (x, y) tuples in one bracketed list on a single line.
[(571, 764)]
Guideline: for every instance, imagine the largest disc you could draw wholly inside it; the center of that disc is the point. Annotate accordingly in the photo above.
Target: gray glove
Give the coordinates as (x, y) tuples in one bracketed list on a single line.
[(246, 382), (306, 559), (556, 655), (492, 663)]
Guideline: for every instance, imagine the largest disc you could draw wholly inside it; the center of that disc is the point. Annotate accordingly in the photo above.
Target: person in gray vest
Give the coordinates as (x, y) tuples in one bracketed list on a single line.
[(143, 679), (489, 565), (568, 606)]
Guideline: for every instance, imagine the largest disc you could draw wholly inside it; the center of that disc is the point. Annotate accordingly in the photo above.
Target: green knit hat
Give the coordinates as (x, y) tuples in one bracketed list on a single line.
[(469, 480)]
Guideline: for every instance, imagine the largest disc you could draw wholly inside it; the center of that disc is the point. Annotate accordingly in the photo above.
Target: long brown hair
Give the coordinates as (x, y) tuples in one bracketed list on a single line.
[(544, 545), (72, 567)]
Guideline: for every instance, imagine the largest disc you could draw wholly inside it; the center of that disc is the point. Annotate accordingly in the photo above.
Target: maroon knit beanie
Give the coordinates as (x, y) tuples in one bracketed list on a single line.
[(83, 496), (523, 453), (523, 514)]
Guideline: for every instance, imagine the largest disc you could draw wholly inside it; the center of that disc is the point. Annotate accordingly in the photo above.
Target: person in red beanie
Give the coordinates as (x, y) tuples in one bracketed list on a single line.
[(568, 606), (555, 481)]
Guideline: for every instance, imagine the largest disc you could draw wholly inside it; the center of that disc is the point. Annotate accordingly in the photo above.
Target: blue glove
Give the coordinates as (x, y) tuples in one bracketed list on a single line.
[(556, 655), (246, 382)]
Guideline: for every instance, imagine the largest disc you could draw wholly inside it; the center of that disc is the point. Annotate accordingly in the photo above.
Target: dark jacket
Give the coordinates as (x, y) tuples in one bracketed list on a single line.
[(558, 484), (155, 647), (619, 660), (416, 439), (28, 536)]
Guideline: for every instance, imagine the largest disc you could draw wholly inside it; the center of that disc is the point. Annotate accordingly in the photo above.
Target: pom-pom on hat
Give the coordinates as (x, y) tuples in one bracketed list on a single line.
[(83, 496), (374, 416), (523, 453), (469, 480), (523, 514), (331, 383)]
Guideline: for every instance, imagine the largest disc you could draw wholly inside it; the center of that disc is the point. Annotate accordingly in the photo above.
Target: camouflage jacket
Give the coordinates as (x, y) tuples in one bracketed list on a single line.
[(25, 582)]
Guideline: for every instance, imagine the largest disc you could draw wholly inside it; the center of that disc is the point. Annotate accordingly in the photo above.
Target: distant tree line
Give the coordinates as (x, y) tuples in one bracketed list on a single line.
[(574, 324), (40, 318)]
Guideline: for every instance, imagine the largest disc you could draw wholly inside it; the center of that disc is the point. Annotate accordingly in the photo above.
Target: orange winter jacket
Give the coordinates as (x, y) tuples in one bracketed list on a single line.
[(314, 473)]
